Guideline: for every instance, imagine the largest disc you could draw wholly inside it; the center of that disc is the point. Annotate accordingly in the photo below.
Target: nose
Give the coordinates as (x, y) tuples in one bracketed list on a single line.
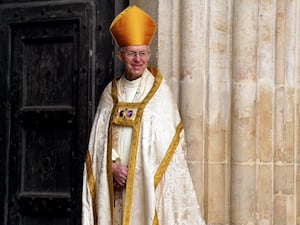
[(137, 57)]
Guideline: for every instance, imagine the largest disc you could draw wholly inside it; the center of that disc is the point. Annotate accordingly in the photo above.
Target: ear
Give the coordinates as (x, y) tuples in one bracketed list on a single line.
[(119, 55), (149, 55)]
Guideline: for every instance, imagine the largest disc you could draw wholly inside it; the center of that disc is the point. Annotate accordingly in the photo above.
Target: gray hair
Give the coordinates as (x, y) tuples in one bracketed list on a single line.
[(122, 49)]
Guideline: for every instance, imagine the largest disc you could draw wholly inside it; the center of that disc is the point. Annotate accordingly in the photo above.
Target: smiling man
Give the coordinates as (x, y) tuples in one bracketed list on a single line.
[(135, 170), (135, 59)]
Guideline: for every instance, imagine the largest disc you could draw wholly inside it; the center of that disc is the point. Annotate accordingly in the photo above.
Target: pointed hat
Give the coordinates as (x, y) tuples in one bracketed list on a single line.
[(132, 26)]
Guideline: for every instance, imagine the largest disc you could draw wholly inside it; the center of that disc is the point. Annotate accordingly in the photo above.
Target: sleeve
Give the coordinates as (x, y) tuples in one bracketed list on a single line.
[(115, 156)]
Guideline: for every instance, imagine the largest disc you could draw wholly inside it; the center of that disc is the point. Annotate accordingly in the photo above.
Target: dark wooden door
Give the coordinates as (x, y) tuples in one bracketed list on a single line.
[(55, 59)]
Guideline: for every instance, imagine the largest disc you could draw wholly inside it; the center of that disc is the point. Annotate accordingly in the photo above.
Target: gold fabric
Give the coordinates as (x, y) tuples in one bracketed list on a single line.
[(91, 183), (132, 26)]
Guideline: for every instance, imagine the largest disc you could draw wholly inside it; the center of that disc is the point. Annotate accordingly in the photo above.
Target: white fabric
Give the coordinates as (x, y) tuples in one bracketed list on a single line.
[(174, 199), (128, 91), (115, 155)]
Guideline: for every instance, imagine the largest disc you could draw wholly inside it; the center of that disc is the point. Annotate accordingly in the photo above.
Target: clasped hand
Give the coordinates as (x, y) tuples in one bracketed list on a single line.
[(120, 176)]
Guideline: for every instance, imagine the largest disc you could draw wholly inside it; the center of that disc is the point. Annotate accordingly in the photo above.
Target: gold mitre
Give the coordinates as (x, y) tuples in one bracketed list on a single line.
[(132, 26)]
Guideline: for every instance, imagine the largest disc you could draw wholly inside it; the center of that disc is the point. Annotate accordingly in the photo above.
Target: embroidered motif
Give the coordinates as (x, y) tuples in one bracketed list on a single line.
[(127, 113)]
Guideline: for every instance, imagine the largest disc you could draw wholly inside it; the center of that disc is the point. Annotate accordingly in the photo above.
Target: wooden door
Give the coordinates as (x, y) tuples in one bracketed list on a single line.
[(55, 59)]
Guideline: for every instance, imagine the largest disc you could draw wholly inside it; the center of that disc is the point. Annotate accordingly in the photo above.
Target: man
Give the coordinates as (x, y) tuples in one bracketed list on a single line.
[(135, 171)]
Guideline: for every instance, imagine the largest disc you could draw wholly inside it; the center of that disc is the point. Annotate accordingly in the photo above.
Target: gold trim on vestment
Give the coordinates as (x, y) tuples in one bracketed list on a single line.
[(91, 184), (168, 156), (165, 162), (155, 219), (117, 119)]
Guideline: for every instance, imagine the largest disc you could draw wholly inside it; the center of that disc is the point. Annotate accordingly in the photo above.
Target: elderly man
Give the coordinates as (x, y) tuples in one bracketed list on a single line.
[(135, 171)]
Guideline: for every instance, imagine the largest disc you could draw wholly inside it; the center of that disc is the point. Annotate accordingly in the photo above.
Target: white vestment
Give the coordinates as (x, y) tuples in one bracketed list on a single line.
[(159, 188)]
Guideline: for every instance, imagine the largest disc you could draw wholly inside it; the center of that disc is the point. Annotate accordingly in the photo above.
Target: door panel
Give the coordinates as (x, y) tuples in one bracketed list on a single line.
[(48, 79), (44, 121)]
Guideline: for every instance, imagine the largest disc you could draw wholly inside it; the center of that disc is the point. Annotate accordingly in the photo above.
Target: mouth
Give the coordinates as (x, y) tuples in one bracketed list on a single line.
[(137, 66)]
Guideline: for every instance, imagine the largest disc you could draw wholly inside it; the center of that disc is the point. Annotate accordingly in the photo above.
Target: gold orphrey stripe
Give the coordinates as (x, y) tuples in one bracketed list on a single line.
[(134, 144), (91, 183), (168, 156), (165, 162)]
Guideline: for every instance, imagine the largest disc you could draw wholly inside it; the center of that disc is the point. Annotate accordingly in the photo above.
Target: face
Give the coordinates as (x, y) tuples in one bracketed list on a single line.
[(135, 59)]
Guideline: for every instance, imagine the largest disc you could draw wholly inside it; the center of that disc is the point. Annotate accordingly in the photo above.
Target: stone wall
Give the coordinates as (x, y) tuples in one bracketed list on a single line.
[(234, 68)]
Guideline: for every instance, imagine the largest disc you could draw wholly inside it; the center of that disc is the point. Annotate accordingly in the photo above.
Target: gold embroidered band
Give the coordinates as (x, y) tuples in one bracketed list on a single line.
[(91, 183)]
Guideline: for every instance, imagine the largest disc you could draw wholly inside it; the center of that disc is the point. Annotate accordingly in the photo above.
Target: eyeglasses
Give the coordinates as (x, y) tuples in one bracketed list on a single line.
[(132, 54)]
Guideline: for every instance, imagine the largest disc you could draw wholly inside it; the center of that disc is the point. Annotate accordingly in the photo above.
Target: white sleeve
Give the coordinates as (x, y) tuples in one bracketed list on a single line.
[(115, 155)]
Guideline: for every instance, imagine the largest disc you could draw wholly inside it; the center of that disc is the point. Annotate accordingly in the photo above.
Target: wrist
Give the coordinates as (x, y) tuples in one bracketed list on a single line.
[(114, 167)]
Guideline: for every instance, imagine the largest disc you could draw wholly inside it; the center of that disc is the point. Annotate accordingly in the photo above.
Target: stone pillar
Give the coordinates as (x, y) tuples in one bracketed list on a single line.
[(243, 186), (265, 123), (285, 136), (216, 72)]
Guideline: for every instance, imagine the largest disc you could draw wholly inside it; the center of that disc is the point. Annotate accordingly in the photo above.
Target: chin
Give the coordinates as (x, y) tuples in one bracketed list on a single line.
[(137, 72)]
